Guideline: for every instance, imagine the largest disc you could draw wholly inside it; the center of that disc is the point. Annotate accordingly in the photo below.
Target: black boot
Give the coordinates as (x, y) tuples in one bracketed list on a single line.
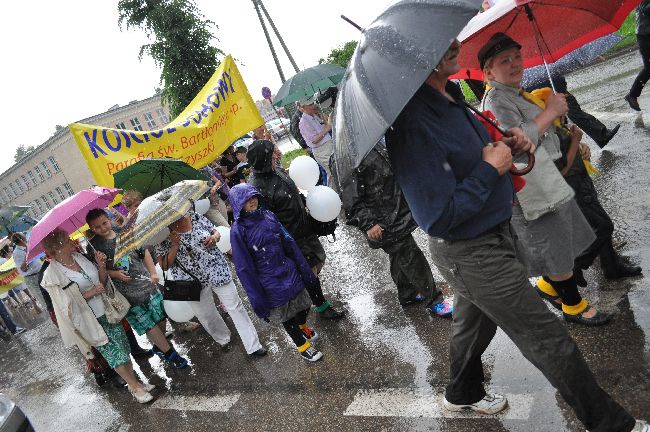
[(116, 379), (615, 267), (608, 135)]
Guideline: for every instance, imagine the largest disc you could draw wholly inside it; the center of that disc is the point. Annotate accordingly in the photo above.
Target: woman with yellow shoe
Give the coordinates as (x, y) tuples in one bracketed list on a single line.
[(550, 228)]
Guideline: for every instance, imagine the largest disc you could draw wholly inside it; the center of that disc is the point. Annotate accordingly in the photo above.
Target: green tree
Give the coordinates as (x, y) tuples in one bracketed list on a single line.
[(182, 45), (341, 55), (22, 152)]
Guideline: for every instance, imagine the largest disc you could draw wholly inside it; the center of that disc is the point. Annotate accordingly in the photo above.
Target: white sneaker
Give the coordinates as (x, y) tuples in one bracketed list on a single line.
[(490, 404), (148, 387), (141, 395), (641, 426)]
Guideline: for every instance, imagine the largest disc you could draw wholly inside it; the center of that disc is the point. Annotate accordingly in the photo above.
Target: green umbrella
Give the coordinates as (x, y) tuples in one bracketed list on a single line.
[(306, 83), (150, 176)]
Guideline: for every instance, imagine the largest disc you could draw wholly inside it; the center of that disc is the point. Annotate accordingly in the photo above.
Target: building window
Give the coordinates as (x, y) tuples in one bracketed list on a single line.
[(68, 189), (136, 124), (60, 192), (20, 187), (164, 118), (39, 173), (151, 124), (120, 126), (47, 170), (52, 198), (40, 207), (13, 189), (31, 177), (47, 205), (26, 183), (8, 193), (54, 164)]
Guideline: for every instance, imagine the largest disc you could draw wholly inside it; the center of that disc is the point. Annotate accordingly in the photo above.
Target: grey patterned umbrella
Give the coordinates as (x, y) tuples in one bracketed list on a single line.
[(396, 53), (573, 61)]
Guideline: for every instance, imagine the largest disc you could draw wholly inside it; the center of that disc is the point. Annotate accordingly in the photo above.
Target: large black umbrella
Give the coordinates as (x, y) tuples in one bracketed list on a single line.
[(396, 53)]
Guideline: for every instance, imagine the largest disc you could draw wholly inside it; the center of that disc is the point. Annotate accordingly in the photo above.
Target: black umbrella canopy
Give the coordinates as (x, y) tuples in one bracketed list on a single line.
[(395, 55)]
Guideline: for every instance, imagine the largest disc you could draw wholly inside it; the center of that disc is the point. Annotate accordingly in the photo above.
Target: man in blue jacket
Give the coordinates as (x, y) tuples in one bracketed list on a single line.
[(459, 191)]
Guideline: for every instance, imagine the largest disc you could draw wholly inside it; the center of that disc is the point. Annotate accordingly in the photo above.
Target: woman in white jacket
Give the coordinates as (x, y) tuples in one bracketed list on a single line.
[(78, 299)]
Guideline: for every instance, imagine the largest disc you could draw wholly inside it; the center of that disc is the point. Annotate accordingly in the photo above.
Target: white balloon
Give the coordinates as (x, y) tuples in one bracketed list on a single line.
[(323, 203), (224, 241), (202, 206), (304, 172), (178, 311), (158, 238)]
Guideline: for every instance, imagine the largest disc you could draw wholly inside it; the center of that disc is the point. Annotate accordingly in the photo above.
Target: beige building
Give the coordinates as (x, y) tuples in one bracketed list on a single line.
[(56, 169)]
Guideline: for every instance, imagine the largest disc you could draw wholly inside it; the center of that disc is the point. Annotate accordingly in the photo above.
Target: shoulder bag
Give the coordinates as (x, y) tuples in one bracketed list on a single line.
[(181, 290), (116, 306)]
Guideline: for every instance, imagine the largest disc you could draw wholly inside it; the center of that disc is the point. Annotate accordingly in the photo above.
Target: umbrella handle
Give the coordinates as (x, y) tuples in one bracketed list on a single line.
[(525, 170)]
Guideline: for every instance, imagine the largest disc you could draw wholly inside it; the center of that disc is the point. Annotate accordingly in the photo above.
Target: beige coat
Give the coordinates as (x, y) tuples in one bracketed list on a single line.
[(77, 322)]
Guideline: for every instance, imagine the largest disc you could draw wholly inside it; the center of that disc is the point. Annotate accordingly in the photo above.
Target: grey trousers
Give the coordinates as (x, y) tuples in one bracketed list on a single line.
[(410, 270), (491, 289)]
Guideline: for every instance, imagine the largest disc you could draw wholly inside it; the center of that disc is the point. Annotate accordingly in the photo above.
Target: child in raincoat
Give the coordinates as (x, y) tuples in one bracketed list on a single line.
[(272, 269)]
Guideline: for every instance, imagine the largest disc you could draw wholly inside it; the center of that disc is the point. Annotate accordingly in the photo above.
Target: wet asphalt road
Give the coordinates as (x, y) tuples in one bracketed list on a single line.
[(384, 366)]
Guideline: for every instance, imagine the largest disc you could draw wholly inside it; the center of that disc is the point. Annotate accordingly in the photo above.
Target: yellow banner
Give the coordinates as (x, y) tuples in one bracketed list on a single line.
[(221, 112), (9, 276)]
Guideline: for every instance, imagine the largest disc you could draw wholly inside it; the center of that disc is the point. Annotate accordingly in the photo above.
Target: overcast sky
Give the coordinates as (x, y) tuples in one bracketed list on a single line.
[(67, 60)]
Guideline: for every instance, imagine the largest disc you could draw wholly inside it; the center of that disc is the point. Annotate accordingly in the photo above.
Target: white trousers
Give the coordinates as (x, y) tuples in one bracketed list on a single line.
[(322, 155), (206, 311)]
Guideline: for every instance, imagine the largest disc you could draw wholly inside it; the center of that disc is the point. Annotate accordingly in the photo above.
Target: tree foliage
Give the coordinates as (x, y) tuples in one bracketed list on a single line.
[(22, 152), (182, 45), (341, 55)]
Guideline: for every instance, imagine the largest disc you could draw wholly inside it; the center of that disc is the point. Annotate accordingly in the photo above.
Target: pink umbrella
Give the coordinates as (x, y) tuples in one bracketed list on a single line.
[(69, 215), (546, 29)]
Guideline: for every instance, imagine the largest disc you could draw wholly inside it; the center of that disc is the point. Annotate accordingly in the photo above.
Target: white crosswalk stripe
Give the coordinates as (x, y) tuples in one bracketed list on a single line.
[(219, 403), (420, 403)]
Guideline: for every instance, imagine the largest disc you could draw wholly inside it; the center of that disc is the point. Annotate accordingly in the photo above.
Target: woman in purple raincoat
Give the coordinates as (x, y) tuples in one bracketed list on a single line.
[(272, 269)]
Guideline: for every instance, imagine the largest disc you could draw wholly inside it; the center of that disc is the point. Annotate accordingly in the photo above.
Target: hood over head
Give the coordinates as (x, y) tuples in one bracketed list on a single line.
[(239, 194), (260, 156)]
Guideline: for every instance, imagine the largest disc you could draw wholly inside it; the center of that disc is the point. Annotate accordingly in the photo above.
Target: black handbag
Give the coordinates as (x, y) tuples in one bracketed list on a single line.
[(181, 290)]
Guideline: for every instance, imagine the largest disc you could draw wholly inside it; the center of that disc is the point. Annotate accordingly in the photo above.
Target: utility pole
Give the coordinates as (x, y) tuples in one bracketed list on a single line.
[(268, 40), (259, 5), (277, 33)]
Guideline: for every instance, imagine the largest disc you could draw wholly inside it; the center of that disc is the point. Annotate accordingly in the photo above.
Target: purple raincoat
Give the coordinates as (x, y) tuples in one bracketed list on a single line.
[(268, 262)]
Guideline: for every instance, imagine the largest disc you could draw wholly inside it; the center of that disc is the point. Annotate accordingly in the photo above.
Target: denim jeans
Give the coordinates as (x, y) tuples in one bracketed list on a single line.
[(6, 317)]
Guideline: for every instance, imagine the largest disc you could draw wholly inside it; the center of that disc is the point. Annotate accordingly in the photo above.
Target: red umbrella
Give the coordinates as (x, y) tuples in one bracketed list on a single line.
[(546, 29)]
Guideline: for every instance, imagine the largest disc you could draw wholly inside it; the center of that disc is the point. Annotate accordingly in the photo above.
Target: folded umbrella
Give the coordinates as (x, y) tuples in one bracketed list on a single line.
[(395, 55), (156, 212), (69, 215), (546, 29), (307, 82), (150, 176)]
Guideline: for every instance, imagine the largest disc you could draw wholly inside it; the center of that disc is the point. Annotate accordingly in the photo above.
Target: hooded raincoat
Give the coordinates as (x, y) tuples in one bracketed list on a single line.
[(268, 261)]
